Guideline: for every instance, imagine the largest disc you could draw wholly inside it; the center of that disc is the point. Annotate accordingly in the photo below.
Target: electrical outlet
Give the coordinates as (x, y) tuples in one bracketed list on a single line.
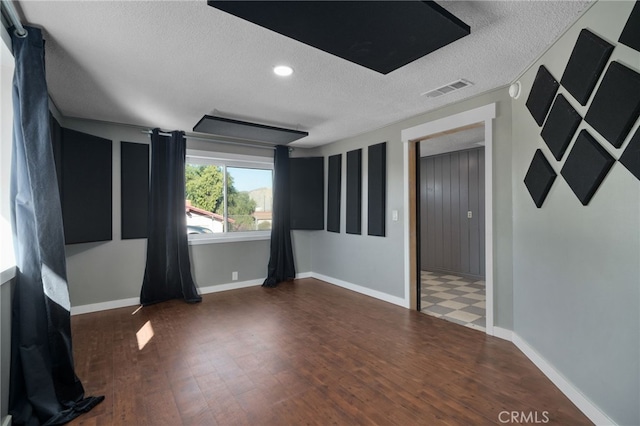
[(234, 276), (469, 214)]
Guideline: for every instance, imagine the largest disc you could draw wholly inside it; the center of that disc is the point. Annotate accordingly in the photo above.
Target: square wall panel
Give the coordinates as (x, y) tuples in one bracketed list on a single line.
[(616, 105), (539, 178), (587, 61), (586, 167), (560, 127), (631, 33), (542, 93), (631, 156)]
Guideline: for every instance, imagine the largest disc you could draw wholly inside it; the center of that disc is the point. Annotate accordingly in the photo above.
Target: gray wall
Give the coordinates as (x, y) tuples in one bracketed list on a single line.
[(576, 269), (378, 262), (113, 270), (6, 292), (451, 185)]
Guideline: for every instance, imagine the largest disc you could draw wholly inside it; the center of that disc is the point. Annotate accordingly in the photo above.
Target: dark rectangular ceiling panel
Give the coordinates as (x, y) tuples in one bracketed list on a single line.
[(246, 130), (379, 35)]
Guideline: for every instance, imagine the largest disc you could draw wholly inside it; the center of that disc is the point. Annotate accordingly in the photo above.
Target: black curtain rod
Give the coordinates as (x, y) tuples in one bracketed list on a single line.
[(12, 15)]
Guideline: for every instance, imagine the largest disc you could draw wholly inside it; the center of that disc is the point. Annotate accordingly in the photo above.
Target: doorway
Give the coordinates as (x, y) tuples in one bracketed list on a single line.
[(412, 137), (451, 240)]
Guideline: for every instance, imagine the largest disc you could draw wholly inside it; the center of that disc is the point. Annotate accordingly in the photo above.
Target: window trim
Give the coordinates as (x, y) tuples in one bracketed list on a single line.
[(7, 260), (229, 160)]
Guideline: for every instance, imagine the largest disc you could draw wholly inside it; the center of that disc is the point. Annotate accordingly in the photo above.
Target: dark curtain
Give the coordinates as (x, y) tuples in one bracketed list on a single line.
[(168, 271), (44, 388), (281, 266)]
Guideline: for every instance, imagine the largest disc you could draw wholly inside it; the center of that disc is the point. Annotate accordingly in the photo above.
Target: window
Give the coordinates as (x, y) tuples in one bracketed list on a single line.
[(6, 119), (228, 197)]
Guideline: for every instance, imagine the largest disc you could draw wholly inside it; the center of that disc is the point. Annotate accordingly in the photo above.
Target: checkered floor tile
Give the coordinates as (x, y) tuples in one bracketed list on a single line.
[(453, 298)]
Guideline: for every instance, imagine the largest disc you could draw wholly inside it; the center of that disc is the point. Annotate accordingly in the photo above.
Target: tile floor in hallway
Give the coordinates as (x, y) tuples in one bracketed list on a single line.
[(453, 298)]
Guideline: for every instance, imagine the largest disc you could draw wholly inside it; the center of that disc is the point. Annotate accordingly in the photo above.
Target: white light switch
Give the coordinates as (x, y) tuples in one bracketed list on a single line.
[(469, 214), (394, 215)]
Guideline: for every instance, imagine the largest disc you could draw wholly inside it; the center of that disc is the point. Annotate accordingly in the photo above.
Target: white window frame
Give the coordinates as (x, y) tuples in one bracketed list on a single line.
[(7, 261), (228, 160)]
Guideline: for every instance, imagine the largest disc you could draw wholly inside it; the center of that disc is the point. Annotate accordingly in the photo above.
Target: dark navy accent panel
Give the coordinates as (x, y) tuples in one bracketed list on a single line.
[(377, 189), (86, 187), (306, 188), (334, 192), (354, 192), (134, 187)]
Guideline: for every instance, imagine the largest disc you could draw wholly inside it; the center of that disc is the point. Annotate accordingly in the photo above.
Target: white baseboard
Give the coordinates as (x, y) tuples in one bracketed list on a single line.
[(362, 290), (567, 388), (134, 301), (503, 333), (7, 420), (104, 306), (230, 286)]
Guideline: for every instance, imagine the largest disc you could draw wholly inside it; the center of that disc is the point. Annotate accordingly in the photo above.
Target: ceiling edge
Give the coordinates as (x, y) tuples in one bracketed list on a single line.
[(544, 52)]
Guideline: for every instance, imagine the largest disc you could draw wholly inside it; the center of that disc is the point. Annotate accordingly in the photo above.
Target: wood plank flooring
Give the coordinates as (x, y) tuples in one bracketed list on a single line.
[(304, 353)]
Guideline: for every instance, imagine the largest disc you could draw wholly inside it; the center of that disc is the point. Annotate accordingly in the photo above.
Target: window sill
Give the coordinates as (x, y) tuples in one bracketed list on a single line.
[(229, 238), (7, 273)]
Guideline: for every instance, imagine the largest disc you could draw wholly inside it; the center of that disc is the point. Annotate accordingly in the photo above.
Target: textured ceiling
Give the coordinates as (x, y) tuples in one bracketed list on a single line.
[(166, 64)]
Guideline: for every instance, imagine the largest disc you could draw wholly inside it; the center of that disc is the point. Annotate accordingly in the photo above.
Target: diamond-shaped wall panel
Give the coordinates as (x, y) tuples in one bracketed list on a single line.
[(588, 59), (586, 167), (560, 126), (631, 32), (539, 178), (631, 156), (616, 105), (542, 93)]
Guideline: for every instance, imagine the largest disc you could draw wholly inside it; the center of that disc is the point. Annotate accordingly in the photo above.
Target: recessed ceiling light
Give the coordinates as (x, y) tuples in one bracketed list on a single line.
[(283, 70)]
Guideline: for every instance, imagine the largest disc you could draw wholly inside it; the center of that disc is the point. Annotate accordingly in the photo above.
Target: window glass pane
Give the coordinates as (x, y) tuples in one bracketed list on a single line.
[(204, 199), (249, 199)]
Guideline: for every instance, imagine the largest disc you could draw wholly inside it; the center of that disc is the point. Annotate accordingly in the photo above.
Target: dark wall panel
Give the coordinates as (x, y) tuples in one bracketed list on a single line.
[(354, 192), (56, 145), (334, 184), (86, 187), (377, 189), (452, 185), (134, 187), (307, 193)]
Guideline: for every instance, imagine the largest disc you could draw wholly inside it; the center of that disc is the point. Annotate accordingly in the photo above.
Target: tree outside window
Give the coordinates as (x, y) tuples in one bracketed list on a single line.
[(243, 204)]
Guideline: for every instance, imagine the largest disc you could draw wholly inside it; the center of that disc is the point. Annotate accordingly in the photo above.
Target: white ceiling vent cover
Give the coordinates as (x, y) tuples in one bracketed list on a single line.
[(447, 88)]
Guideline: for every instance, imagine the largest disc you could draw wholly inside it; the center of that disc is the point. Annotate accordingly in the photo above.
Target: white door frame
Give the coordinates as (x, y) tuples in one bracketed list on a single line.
[(413, 134)]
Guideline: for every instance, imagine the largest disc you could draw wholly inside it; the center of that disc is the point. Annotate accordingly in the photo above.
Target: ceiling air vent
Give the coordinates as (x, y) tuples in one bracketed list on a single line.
[(456, 85)]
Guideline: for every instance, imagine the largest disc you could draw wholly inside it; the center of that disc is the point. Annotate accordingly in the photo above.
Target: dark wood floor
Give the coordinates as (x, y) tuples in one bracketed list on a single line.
[(303, 353)]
